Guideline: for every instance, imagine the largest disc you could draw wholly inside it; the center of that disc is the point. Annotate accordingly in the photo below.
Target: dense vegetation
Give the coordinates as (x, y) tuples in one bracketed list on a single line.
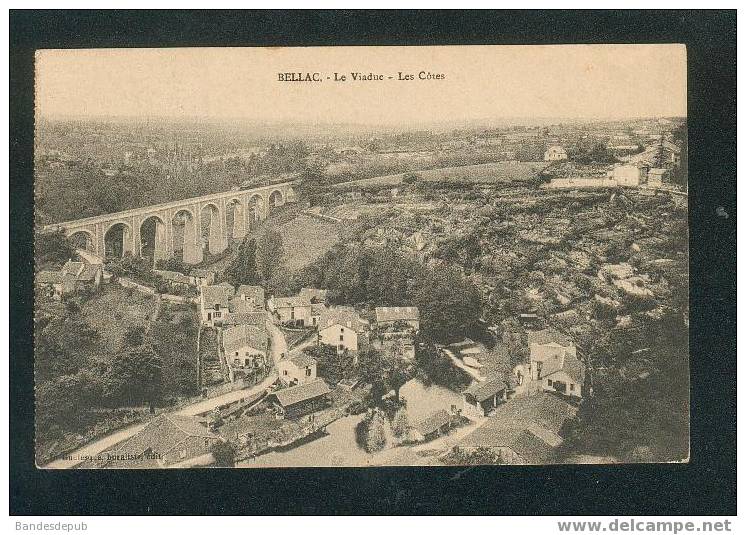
[(356, 275), (80, 388)]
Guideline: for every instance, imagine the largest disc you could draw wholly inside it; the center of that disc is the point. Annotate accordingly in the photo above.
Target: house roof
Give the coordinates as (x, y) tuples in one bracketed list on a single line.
[(252, 292), (397, 314), (315, 295), (296, 394), (245, 318), (190, 425), (303, 360), (245, 335), (531, 447), (571, 366), (344, 316), (485, 390), (161, 435), (294, 301), (202, 272), (174, 276), (547, 336), (523, 424), (218, 294), (241, 306), (433, 422)]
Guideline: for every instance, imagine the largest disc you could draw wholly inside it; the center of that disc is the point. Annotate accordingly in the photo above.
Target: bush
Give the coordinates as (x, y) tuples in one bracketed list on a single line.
[(400, 424), (224, 454), (370, 433)]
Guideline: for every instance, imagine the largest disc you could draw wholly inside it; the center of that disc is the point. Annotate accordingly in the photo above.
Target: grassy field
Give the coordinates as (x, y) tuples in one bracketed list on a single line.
[(488, 173), (305, 239), (113, 311)]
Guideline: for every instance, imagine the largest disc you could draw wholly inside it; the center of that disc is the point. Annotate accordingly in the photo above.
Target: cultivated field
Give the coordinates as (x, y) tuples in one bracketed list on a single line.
[(488, 173), (304, 239)]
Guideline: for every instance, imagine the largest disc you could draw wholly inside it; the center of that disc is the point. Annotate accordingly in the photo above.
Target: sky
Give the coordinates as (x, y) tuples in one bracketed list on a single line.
[(480, 82)]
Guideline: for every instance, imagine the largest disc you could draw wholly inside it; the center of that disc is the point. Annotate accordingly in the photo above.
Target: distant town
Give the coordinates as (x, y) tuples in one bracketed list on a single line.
[(227, 294)]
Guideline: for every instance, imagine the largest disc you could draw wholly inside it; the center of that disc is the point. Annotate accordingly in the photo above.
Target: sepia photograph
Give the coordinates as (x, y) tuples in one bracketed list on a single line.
[(361, 256)]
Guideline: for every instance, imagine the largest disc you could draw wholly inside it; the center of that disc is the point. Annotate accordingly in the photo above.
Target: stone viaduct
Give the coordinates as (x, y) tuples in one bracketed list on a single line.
[(188, 225)]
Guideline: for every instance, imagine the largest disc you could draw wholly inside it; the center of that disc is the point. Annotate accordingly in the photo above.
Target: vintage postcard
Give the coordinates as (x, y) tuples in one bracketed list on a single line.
[(361, 256)]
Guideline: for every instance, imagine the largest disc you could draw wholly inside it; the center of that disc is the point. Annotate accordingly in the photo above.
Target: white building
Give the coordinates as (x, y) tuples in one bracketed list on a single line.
[(555, 153), (554, 363), (298, 370), (342, 327)]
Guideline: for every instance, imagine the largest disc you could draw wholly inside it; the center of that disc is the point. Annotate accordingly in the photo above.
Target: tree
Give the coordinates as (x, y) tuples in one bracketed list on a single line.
[(370, 433), (331, 364), (243, 268), (388, 276), (136, 376), (400, 424), (345, 275), (384, 372), (224, 453), (269, 251), (63, 400), (135, 335), (449, 304), (52, 248), (63, 346)]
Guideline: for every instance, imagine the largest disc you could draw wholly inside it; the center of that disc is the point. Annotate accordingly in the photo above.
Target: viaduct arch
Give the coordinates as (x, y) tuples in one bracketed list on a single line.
[(191, 226)]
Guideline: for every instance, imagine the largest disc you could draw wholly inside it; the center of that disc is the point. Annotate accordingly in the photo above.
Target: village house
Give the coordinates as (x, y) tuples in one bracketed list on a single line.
[(214, 304), (168, 440), (435, 425), (523, 430), (203, 277), (343, 328), (254, 295), (72, 278), (555, 153), (245, 348), (258, 318), (291, 310), (391, 317), (481, 398), (300, 400), (54, 284), (297, 370), (175, 280), (554, 364)]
